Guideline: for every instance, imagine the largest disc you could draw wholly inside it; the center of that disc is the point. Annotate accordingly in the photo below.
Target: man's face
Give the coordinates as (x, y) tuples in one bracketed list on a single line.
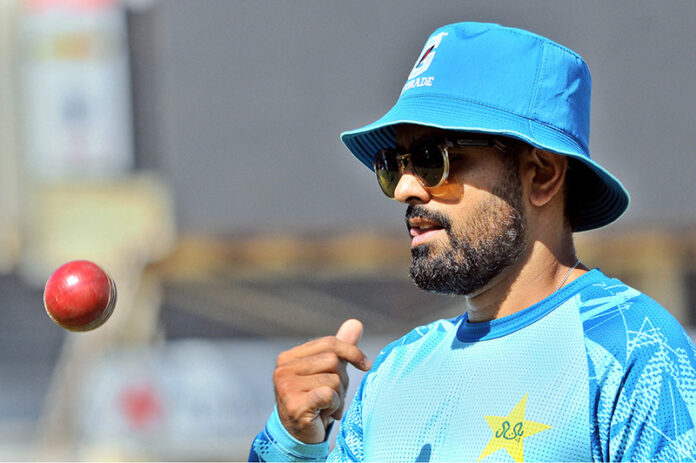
[(467, 231)]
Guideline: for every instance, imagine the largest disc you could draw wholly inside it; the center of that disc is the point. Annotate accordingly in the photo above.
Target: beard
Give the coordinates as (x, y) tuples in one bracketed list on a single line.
[(477, 251)]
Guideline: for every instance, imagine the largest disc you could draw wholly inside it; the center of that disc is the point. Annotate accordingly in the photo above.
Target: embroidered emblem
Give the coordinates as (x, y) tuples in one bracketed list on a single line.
[(510, 431)]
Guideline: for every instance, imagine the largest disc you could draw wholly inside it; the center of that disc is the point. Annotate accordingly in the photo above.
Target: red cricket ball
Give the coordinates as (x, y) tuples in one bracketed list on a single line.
[(80, 296)]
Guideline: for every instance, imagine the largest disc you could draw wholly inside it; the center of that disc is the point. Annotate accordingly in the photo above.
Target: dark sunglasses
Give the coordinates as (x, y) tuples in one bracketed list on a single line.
[(429, 158)]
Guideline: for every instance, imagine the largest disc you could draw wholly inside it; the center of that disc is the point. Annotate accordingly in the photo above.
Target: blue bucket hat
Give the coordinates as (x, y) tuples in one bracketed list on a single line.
[(486, 78)]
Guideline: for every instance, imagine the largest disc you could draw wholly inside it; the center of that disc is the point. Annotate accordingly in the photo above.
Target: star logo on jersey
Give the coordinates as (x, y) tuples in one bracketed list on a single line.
[(509, 432)]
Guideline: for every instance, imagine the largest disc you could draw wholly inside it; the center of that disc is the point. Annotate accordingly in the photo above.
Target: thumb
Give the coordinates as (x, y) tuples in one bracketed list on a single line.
[(350, 331)]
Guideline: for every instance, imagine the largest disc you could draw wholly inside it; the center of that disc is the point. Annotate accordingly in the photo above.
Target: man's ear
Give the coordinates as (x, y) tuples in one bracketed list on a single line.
[(545, 172)]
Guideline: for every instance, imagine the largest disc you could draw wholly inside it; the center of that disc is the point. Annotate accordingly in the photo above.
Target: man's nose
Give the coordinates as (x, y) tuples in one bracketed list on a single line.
[(409, 190)]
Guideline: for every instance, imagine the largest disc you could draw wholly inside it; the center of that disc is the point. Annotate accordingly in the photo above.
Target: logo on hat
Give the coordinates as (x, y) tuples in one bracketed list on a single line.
[(426, 56)]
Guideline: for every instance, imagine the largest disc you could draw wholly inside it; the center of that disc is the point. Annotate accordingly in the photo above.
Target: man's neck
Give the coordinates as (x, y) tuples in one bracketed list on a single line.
[(522, 285)]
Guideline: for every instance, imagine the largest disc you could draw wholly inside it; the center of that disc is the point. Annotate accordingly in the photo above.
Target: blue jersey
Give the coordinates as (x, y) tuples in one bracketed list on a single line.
[(595, 372)]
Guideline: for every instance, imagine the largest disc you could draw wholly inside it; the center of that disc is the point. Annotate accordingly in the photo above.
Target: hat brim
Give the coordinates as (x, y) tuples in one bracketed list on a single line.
[(600, 197)]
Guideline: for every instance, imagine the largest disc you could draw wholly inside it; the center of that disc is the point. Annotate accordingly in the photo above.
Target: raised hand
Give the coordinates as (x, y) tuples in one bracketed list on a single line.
[(311, 381)]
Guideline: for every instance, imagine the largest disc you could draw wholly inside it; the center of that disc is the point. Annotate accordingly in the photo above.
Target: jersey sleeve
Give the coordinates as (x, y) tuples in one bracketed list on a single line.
[(275, 443), (642, 367)]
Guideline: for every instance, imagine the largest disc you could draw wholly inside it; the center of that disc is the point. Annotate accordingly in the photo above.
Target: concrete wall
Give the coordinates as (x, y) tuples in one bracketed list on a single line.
[(242, 102)]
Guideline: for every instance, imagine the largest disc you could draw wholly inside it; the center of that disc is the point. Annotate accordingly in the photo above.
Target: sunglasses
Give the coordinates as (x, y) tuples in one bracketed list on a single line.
[(429, 159)]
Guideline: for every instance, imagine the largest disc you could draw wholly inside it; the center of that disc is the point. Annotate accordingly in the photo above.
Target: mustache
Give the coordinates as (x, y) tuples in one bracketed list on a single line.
[(423, 212)]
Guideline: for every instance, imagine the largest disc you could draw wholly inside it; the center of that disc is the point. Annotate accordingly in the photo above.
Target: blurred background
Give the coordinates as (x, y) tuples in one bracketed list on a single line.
[(191, 149)]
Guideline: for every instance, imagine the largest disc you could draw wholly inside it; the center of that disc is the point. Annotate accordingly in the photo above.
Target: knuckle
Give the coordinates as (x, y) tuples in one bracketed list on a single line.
[(321, 396), (294, 410), (331, 342), (331, 360), (279, 373), (283, 383), (282, 358)]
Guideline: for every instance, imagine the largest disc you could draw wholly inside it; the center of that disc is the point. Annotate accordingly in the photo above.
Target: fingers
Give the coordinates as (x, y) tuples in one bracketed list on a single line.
[(326, 362), (311, 381), (303, 384), (344, 351)]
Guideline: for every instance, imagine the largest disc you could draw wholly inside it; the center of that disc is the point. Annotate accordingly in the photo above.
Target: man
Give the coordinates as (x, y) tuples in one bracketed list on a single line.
[(488, 147)]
